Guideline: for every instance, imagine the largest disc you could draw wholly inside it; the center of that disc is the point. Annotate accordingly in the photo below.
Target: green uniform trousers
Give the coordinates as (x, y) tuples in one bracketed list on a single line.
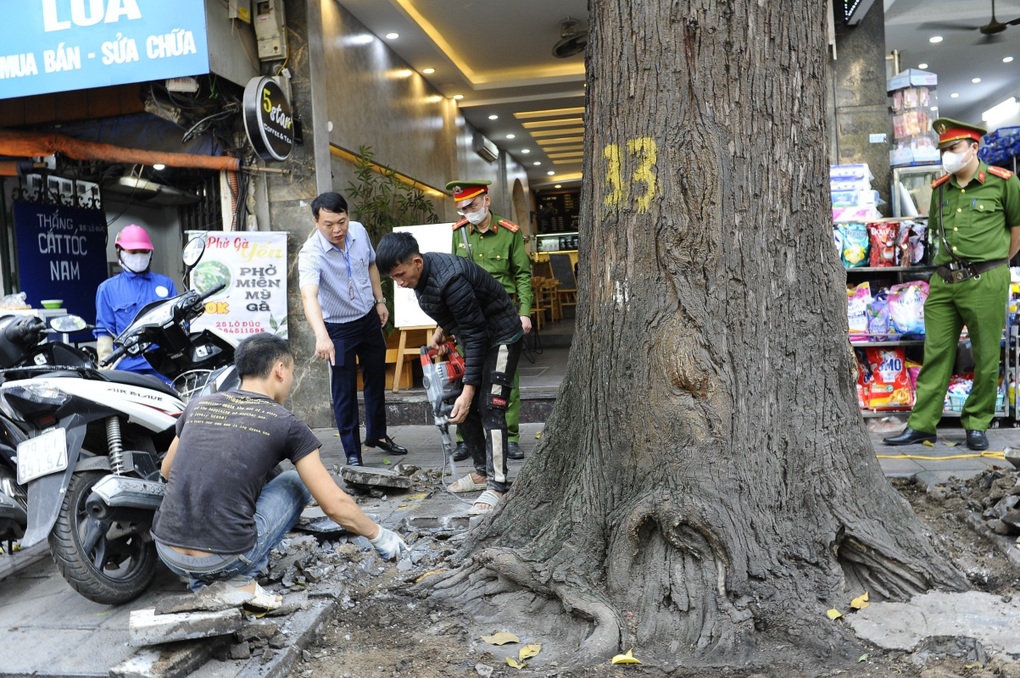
[(980, 304), (513, 414)]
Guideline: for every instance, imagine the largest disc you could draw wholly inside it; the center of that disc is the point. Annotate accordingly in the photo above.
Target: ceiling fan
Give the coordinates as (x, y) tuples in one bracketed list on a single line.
[(991, 29), (572, 41)]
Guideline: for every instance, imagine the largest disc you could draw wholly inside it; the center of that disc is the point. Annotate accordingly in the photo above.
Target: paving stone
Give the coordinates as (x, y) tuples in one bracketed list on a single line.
[(148, 628), (375, 477), (170, 661)]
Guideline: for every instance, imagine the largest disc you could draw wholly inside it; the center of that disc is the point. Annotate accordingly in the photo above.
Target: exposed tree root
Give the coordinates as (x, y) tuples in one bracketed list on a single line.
[(498, 570)]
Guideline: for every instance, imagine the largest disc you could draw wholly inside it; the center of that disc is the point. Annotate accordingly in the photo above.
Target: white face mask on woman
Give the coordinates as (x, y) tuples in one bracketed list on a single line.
[(954, 162), (136, 263)]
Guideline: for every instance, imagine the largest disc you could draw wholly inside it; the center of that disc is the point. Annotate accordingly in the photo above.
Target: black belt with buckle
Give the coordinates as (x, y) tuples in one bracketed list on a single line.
[(965, 270)]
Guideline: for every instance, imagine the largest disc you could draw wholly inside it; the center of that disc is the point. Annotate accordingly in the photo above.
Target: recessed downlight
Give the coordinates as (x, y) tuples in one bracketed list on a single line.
[(392, 36), (935, 39), (1007, 60), (975, 80), (428, 71), (493, 117), (922, 66), (954, 95)]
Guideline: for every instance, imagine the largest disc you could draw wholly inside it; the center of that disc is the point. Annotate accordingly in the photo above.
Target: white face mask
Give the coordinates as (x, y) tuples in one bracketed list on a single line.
[(477, 217), (954, 162), (136, 263)]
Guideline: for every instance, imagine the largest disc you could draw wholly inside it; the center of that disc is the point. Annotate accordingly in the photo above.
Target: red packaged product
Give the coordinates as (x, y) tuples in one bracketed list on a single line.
[(882, 237)]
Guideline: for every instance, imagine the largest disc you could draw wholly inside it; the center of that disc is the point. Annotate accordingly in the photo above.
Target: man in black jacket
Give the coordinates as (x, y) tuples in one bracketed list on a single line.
[(467, 303)]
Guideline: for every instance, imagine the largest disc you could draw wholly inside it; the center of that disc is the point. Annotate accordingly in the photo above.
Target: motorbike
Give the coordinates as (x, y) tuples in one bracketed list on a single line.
[(96, 438), (24, 351)]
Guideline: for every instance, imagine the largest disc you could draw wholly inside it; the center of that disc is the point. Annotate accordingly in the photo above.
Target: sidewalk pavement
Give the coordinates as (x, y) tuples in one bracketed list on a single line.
[(46, 629)]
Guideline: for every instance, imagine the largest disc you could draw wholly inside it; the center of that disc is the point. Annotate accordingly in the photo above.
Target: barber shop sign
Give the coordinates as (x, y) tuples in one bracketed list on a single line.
[(268, 120)]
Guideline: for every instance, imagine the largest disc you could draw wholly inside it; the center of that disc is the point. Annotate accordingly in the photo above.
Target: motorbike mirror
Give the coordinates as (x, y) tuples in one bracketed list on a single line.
[(66, 324), (193, 251)]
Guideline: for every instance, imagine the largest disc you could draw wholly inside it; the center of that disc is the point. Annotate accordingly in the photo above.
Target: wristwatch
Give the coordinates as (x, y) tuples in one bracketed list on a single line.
[(380, 301)]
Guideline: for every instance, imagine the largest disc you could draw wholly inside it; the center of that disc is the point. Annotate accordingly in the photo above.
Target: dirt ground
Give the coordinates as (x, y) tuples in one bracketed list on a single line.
[(381, 632)]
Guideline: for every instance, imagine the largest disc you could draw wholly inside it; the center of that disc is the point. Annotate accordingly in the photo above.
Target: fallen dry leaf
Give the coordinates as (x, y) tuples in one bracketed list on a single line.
[(834, 614), (501, 638), (529, 651), (860, 602), (428, 574), (514, 663), (626, 658)]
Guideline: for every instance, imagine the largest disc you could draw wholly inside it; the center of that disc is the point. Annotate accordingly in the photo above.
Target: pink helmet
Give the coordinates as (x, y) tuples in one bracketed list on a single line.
[(133, 237)]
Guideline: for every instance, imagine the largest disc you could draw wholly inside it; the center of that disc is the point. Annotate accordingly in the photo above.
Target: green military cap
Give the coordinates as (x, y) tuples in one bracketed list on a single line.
[(950, 131), (467, 189)]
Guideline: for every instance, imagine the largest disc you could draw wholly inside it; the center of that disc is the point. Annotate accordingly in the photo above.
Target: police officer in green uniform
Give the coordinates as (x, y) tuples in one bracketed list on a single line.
[(496, 245), (974, 225)]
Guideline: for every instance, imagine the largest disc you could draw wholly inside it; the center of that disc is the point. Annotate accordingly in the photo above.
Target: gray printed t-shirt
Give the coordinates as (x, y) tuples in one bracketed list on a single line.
[(229, 442)]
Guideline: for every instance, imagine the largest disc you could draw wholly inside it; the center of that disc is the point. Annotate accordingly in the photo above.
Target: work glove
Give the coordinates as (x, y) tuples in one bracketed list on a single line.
[(104, 347), (389, 544)]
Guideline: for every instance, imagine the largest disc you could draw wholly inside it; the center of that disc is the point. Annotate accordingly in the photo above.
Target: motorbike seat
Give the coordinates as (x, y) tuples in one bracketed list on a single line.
[(134, 379)]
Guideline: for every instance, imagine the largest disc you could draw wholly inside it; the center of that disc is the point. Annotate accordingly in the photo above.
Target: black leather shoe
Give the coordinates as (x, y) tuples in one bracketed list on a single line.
[(354, 461), (387, 445), (909, 437), (977, 440), (513, 451), (461, 452)]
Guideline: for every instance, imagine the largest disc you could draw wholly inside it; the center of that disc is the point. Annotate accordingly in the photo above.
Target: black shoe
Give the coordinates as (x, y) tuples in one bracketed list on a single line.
[(461, 452), (387, 445), (977, 440), (354, 461), (910, 437), (513, 451)]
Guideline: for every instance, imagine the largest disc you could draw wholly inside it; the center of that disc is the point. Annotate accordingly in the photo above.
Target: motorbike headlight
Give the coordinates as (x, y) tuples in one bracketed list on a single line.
[(33, 398)]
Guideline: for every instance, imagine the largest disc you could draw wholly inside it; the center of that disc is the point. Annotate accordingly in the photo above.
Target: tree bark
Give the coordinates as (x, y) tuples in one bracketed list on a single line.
[(705, 488)]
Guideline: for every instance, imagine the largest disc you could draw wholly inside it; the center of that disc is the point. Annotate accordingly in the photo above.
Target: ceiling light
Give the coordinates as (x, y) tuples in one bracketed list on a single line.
[(537, 163), (935, 39), (428, 71), (392, 36), (551, 172), (922, 66), (954, 95), (458, 97), (558, 186), (975, 80), (1007, 60), (493, 117), (525, 150), (511, 136), (1005, 109), (159, 166)]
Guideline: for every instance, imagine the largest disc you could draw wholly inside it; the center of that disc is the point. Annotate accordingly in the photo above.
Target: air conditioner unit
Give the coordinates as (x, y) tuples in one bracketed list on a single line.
[(484, 148)]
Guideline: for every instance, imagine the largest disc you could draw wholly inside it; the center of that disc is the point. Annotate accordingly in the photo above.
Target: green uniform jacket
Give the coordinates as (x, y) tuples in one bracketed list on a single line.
[(978, 217), (500, 251)]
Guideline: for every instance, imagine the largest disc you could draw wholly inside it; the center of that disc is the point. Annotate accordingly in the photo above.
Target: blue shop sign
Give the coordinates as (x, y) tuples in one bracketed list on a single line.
[(61, 255), (61, 45)]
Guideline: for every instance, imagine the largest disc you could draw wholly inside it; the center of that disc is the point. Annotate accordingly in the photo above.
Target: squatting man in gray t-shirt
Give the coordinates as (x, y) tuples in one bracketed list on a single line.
[(221, 514)]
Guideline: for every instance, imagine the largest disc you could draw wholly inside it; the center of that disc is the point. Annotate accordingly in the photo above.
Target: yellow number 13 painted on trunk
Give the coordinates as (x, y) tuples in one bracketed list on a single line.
[(645, 150)]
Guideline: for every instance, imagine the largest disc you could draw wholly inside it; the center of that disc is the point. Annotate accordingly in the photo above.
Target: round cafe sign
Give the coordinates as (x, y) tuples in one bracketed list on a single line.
[(268, 119)]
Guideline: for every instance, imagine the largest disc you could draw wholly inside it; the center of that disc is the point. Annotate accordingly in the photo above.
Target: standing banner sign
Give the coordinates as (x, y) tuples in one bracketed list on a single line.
[(61, 255), (253, 266), (431, 238)]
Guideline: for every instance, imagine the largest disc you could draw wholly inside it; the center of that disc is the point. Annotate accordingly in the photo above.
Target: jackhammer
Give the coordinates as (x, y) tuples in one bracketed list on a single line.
[(443, 384)]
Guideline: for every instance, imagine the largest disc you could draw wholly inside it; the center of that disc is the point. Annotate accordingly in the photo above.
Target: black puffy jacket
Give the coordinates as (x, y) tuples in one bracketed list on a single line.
[(466, 301)]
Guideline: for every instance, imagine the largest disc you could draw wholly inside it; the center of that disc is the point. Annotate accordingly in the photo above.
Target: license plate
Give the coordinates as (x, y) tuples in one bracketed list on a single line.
[(42, 455)]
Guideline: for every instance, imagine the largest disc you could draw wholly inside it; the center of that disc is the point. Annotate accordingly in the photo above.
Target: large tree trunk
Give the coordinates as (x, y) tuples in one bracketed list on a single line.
[(705, 488)]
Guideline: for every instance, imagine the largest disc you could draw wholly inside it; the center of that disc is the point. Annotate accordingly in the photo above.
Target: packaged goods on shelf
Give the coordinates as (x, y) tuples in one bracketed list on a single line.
[(906, 307), (882, 239), (857, 300), (1000, 146), (858, 171), (883, 382), (911, 77), (838, 185), (855, 198), (914, 104), (852, 242)]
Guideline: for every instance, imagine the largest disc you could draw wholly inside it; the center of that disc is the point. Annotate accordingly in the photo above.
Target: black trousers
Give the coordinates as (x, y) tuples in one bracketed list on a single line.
[(358, 342), (484, 430)]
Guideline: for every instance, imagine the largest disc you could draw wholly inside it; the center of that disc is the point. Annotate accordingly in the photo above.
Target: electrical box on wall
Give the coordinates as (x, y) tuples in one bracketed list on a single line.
[(270, 27)]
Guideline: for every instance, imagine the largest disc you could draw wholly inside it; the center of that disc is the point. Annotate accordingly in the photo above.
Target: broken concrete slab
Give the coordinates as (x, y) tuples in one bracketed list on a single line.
[(374, 477), (145, 627), (991, 620), (212, 598), (170, 661)]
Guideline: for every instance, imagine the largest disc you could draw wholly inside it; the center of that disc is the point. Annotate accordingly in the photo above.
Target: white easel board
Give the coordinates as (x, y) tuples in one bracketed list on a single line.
[(431, 238)]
